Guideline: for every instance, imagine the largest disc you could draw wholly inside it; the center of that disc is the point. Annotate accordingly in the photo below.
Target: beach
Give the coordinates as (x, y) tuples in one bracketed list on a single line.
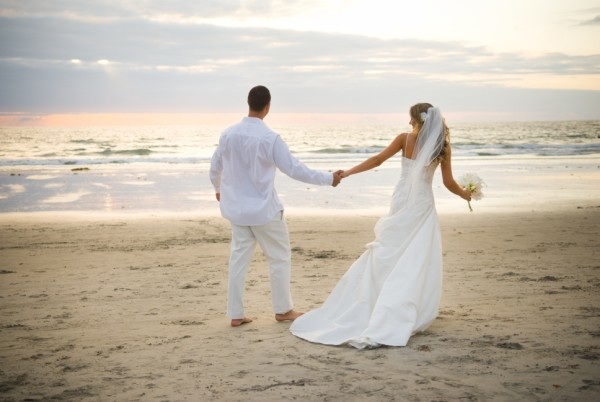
[(121, 123), (113, 272), (132, 307)]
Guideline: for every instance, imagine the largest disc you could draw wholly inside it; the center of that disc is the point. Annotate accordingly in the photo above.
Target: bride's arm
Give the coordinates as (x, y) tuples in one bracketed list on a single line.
[(374, 161), (449, 181)]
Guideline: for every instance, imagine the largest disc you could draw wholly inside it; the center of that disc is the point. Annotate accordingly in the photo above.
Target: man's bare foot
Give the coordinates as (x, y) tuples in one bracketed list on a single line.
[(240, 321), (289, 316)]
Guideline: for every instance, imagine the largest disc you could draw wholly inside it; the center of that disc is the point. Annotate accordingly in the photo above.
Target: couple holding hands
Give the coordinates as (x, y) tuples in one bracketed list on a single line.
[(393, 289)]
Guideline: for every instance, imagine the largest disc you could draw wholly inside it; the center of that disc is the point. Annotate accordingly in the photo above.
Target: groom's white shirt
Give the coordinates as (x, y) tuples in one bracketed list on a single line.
[(243, 171)]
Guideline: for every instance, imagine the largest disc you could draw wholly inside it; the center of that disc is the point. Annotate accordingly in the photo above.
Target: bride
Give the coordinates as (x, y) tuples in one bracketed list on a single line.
[(393, 289)]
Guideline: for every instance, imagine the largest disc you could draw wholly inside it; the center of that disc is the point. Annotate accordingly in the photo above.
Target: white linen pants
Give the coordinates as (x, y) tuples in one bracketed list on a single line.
[(274, 241)]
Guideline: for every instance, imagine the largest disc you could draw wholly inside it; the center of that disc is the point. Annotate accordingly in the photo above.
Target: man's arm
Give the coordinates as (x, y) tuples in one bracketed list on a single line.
[(291, 166)]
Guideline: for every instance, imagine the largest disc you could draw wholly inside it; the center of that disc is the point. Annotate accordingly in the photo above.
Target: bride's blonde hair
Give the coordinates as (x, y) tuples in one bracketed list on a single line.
[(415, 113)]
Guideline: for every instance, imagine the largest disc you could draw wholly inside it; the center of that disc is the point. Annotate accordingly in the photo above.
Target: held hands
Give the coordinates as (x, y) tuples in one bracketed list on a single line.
[(338, 175), (337, 178)]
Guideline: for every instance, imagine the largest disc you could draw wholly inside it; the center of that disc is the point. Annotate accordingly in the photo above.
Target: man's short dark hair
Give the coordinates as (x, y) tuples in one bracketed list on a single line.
[(258, 98)]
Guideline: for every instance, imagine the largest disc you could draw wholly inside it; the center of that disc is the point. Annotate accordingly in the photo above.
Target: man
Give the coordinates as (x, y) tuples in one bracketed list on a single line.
[(242, 172)]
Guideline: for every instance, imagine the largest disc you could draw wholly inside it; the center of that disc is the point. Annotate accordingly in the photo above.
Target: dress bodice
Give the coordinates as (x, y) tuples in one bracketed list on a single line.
[(427, 174), (413, 191)]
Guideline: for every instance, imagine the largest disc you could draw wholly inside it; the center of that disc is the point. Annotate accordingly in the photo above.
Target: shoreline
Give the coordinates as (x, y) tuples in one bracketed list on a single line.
[(133, 308), (513, 184)]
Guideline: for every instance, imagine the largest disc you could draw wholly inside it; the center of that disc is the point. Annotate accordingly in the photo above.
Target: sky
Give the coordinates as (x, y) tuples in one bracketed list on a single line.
[(107, 61)]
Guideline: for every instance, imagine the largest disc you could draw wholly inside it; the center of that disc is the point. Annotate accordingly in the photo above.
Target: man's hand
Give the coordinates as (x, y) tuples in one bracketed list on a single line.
[(337, 178), (218, 195)]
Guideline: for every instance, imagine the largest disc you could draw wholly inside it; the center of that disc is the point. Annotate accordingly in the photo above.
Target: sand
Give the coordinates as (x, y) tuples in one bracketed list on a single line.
[(128, 308)]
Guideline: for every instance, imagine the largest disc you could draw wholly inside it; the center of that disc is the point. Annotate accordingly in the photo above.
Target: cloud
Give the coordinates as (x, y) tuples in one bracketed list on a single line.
[(593, 21), (152, 9), (123, 62), (145, 44)]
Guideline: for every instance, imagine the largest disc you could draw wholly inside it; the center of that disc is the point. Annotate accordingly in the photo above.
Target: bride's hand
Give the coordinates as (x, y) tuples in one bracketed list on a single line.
[(466, 195), (344, 174)]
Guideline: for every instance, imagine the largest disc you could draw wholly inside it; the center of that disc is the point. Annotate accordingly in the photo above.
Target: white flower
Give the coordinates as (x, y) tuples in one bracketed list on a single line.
[(423, 117), (472, 183)]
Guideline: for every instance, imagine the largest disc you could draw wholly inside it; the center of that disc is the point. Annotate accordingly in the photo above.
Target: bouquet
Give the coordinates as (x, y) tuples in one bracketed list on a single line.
[(472, 183)]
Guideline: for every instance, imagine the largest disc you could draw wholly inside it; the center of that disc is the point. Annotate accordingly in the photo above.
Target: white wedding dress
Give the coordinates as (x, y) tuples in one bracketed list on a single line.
[(393, 289)]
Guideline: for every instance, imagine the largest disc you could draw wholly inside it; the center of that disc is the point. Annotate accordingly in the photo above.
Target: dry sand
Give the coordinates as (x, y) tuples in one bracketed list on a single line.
[(129, 308)]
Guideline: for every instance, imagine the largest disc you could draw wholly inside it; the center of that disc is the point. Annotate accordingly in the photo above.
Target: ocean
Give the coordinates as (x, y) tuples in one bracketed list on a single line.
[(43, 146), (166, 168)]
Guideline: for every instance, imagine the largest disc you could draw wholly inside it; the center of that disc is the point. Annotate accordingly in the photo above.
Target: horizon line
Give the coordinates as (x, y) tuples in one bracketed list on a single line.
[(21, 119)]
